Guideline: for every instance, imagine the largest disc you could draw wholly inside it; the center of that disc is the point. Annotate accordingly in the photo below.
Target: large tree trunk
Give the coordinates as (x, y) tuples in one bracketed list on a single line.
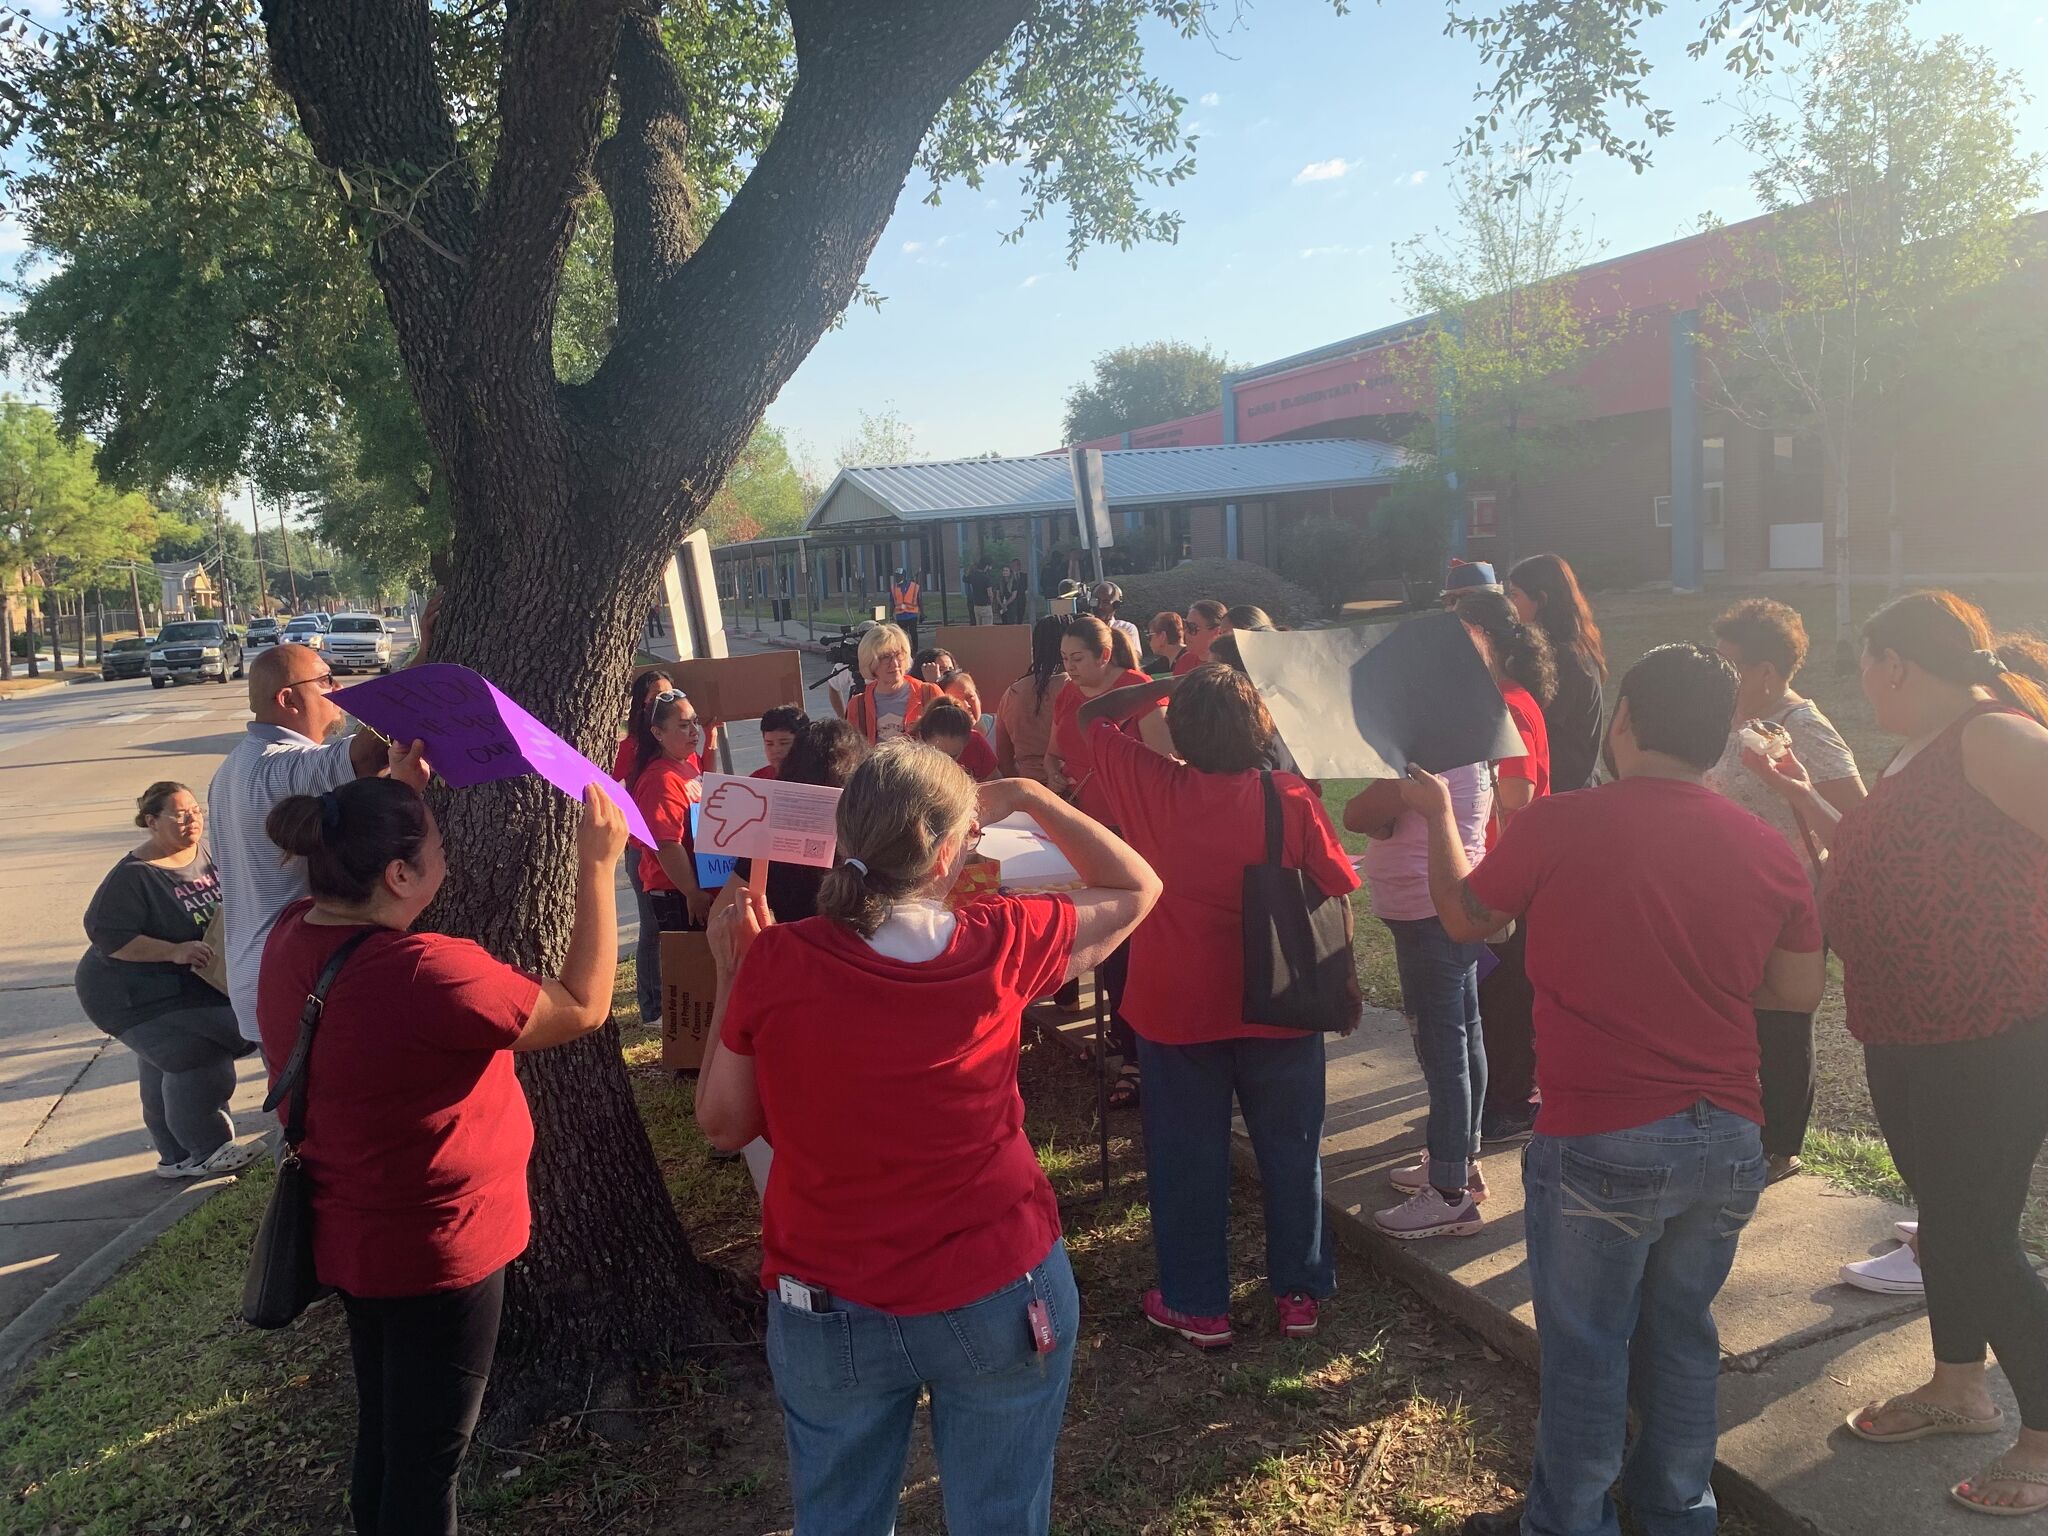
[(567, 501)]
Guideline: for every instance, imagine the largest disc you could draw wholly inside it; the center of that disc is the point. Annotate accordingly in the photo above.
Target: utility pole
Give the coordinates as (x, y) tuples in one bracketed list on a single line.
[(285, 538), (262, 580), (135, 596), (227, 575)]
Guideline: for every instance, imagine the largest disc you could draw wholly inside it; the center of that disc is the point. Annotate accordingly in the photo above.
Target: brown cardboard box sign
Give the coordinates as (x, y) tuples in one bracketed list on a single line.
[(689, 987)]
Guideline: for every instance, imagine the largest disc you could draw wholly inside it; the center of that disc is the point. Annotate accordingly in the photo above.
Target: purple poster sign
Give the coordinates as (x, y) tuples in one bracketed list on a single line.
[(476, 735)]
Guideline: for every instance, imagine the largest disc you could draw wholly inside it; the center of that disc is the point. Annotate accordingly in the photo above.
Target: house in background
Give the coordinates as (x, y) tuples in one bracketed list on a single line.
[(187, 588)]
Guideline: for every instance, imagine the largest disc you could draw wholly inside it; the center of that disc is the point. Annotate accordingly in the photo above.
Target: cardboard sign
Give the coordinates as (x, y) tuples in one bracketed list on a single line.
[(476, 735), (1025, 856), (768, 820), (1365, 702), (689, 991), (738, 687), (995, 655)]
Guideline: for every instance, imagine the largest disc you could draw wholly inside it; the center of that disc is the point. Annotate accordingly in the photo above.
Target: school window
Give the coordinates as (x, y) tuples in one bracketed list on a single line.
[(1660, 509), (1482, 520), (1713, 473)]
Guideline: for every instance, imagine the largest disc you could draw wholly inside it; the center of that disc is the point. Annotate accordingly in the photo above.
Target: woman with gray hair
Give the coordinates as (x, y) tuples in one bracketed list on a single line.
[(910, 1240)]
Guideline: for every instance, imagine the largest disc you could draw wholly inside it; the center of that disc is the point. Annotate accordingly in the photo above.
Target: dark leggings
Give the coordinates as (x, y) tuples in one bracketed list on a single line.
[(421, 1364), (1965, 1122), (1785, 1069), (1506, 1011)]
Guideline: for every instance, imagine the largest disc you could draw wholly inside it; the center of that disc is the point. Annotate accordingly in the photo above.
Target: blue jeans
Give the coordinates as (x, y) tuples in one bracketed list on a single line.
[(646, 946), (848, 1380), (1440, 988), (1630, 1235), (1186, 1108)]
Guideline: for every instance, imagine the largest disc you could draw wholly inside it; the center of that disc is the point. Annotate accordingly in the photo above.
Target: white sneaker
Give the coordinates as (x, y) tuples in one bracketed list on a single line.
[(166, 1169), (1429, 1214), (1907, 1230), (228, 1157), (1891, 1274), (1413, 1178)]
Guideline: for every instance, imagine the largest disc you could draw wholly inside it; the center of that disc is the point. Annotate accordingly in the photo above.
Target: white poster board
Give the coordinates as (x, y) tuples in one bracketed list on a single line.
[(768, 821)]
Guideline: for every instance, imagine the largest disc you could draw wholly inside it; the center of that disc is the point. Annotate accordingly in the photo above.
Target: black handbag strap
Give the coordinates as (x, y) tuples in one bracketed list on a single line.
[(292, 1080), (1275, 842)]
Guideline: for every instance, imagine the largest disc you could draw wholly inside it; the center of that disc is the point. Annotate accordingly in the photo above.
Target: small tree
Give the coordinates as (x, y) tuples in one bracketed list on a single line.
[(1141, 386), (1331, 556), (1892, 171), (1506, 329)]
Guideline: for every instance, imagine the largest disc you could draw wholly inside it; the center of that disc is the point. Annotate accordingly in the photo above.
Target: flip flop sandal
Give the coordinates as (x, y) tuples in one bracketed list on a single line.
[(1999, 1474), (1936, 1420), (1123, 1093)]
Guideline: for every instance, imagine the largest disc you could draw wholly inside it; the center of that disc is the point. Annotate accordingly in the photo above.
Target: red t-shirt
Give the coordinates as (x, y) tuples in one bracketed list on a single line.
[(765, 771), (1071, 745), (1528, 717), (979, 758), (1199, 831), (417, 1133), (903, 1180), (1186, 662), (1652, 905), (627, 760), (665, 793)]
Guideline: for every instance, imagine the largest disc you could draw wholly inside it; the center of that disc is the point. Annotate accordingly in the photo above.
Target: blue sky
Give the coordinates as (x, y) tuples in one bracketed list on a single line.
[(978, 341)]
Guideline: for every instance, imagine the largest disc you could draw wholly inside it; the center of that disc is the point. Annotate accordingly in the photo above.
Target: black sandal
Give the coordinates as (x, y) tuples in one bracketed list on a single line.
[(1123, 1093)]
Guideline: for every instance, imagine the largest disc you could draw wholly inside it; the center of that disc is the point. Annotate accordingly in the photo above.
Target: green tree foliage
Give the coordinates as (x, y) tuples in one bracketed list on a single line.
[(1506, 329), (763, 497), (1892, 171), (1142, 386), (1331, 556), (883, 437)]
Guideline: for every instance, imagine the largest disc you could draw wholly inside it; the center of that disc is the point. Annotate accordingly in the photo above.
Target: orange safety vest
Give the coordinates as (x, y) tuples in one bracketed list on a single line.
[(905, 598)]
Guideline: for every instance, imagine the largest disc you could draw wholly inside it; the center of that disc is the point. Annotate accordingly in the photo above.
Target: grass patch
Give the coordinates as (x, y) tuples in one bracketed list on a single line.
[(1856, 1162)]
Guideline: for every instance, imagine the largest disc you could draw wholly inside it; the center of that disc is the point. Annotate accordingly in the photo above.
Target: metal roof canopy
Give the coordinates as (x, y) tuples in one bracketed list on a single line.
[(977, 489)]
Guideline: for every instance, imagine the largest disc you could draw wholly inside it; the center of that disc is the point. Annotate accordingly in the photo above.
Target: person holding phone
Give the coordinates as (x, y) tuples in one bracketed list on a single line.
[(910, 1240)]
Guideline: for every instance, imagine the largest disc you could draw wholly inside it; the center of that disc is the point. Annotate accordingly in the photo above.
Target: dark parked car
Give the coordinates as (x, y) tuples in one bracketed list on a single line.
[(196, 649), (126, 658)]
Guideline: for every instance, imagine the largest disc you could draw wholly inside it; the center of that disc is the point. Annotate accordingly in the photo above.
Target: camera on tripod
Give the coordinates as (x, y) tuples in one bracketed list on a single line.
[(843, 652)]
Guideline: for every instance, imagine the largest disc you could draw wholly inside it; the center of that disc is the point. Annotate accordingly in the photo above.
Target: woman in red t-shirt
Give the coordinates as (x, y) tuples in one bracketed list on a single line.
[(417, 1134), (665, 787), (1520, 659), (1200, 822), (951, 729), (1935, 896), (909, 1238), (1088, 652), (625, 764)]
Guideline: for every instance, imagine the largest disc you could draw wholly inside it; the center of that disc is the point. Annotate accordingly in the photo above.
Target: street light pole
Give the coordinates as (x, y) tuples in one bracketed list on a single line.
[(285, 538)]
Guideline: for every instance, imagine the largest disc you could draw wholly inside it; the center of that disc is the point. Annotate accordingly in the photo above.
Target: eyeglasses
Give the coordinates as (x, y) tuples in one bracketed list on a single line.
[(183, 815), (973, 839), (324, 682)]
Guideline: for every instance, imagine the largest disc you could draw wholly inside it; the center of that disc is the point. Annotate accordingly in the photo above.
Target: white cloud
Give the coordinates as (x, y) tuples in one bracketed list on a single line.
[(1031, 281), (912, 247), (1315, 252), (13, 238), (1210, 99), (1417, 178), (1322, 170)]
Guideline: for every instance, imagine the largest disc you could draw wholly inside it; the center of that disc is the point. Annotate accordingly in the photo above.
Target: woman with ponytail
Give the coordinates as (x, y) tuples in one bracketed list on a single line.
[(417, 1133), (1936, 898), (910, 1241), (1025, 712)]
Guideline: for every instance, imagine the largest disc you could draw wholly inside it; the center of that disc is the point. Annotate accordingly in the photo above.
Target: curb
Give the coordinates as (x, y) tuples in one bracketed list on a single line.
[(24, 1340), (31, 693)]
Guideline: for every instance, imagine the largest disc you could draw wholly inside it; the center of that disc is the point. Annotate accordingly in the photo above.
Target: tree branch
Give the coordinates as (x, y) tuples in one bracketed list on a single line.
[(551, 93), (361, 73), (784, 259), (644, 168)]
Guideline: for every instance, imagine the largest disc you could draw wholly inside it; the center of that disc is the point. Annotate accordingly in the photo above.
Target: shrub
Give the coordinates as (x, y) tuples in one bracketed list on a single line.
[(1331, 556), (1230, 582)]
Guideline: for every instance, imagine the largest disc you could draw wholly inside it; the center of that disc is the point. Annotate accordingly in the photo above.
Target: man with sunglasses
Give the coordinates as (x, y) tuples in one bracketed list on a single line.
[(287, 751)]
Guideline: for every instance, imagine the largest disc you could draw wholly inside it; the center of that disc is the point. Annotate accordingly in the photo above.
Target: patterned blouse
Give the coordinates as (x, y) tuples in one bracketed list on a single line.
[(1937, 902)]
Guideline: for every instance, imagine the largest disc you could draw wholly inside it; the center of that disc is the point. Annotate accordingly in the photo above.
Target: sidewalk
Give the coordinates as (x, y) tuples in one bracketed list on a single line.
[(1799, 1350)]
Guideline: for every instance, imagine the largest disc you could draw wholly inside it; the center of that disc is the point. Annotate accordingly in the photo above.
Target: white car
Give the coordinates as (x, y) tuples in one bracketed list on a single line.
[(305, 630), (358, 642)]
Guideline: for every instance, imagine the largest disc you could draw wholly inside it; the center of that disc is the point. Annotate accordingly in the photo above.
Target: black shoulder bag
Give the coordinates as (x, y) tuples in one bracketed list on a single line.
[(1298, 971), (280, 1283)]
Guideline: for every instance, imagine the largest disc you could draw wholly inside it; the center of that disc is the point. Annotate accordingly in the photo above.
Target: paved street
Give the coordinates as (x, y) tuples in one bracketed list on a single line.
[(74, 1160)]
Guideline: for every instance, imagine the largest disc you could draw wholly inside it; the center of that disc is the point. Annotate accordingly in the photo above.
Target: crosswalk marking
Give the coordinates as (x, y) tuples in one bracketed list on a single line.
[(129, 719)]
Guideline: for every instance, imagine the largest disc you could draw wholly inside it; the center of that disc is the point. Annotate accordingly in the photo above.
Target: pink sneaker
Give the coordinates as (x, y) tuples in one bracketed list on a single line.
[(1298, 1313), (1413, 1179), (1428, 1214), (1202, 1332)]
